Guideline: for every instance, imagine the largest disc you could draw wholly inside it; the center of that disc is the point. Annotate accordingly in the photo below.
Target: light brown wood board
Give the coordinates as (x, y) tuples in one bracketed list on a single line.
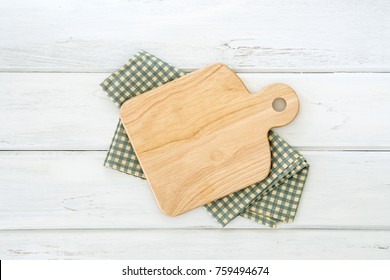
[(204, 136)]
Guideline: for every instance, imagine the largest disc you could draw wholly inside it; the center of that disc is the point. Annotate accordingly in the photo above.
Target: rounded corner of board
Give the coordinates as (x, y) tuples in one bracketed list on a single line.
[(122, 109), (168, 212)]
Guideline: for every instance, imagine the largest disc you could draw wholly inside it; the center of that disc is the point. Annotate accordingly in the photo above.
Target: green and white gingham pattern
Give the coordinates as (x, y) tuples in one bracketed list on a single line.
[(141, 73), (273, 200), (121, 155)]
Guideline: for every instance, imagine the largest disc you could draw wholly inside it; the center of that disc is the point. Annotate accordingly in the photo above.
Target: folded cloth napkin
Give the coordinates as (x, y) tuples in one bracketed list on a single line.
[(275, 199)]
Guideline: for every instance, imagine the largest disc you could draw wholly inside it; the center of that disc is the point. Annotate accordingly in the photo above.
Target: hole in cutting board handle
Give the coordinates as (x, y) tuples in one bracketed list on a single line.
[(279, 104)]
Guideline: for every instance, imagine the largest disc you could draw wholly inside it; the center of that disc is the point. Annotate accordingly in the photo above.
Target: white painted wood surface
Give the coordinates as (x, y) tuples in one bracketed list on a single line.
[(70, 190), (195, 244), (69, 111), (71, 35), (58, 201)]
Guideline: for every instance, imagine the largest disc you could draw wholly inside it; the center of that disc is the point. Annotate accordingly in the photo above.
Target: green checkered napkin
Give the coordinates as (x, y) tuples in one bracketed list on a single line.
[(141, 73), (273, 200)]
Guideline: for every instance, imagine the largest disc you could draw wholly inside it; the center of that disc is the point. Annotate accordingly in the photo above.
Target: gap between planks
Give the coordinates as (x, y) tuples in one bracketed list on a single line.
[(298, 148), (188, 70), (266, 229)]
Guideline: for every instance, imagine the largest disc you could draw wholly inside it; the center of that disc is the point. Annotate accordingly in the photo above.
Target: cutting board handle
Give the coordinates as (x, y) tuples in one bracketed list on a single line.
[(279, 94)]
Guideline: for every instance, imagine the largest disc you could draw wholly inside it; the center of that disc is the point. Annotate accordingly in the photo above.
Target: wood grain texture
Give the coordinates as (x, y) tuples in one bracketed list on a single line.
[(204, 136), (195, 244), (69, 35), (69, 111), (71, 190)]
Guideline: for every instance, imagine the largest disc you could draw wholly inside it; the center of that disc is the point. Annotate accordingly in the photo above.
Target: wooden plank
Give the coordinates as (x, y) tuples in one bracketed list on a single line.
[(195, 244), (65, 35), (70, 112), (198, 138), (70, 190)]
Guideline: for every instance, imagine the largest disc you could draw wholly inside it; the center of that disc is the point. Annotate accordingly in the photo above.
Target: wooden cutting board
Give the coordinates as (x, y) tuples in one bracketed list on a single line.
[(204, 136)]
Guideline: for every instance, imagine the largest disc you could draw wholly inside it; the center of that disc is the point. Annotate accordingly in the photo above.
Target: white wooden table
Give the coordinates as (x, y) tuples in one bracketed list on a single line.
[(57, 201)]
